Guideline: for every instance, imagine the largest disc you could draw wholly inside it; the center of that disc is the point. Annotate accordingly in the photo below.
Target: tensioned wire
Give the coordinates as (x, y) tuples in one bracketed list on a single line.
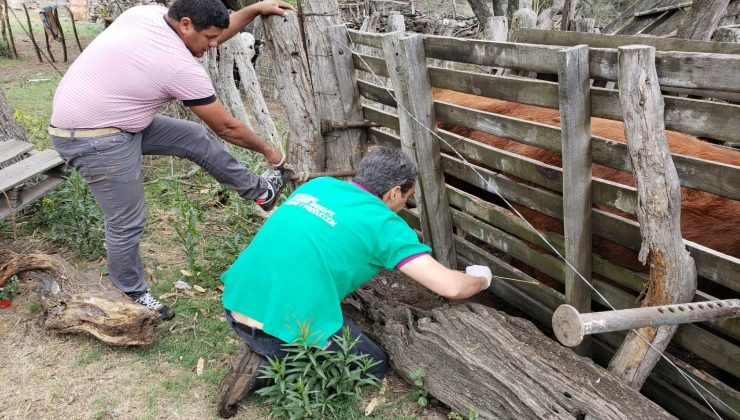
[(492, 184)]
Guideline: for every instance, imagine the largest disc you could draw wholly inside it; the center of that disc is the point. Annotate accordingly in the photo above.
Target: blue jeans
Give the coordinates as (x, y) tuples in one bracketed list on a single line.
[(268, 346)]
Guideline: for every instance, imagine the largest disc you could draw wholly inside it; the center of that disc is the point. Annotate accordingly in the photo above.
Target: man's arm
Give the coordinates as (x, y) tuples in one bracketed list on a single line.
[(441, 280), (241, 18), (234, 131)]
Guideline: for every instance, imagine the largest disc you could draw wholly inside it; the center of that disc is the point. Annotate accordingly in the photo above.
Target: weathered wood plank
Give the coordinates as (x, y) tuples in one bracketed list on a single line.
[(692, 116), (691, 70), (37, 163), (535, 290), (715, 266), (538, 36), (370, 39), (370, 64), (30, 195), (12, 149), (532, 133), (283, 40), (575, 129), (516, 248), (335, 97), (381, 117), (542, 201), (514, 89), (350, 107), (376, 93), (537, 58), (407, 67)]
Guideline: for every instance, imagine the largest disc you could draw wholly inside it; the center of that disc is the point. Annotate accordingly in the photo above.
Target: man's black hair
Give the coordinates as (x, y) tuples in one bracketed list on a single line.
[(383, 168), (203, 13)]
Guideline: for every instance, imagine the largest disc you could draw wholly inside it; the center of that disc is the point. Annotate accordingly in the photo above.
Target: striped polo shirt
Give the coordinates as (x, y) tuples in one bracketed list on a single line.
[(128, 73)]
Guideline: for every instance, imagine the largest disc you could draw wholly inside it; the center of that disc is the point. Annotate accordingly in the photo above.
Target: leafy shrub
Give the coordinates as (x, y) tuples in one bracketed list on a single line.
[(73, 218), (314, 383)]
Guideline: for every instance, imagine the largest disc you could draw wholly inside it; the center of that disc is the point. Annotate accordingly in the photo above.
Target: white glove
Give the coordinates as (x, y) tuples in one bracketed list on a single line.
[(480, 271)]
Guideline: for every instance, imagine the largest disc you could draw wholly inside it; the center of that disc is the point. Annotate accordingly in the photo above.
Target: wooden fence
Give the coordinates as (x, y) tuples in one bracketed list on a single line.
[(405, 61)]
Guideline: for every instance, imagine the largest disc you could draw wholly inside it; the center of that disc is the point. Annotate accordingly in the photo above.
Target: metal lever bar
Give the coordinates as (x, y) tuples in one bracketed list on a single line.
[(570, 326)]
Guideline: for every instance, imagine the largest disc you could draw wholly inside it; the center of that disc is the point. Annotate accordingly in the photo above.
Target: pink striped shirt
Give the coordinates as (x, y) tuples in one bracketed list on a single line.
[(128, 73)]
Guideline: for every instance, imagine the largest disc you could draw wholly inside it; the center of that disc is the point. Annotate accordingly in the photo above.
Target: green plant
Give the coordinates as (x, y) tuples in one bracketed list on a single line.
[(418, 393), (10, 289), (311, 382), (72, 217), (186, 229)]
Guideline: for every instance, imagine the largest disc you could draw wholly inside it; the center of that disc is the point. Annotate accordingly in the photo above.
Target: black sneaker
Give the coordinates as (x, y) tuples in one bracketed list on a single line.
[(275, 182), (146, 299)]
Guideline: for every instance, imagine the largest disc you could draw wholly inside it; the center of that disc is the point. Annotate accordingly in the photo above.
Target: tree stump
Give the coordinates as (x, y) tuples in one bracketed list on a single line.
[(238, 382), (477, 358), (78, 303)]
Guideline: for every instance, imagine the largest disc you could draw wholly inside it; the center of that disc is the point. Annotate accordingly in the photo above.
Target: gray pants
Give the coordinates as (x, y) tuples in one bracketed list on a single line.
[(111, 165)]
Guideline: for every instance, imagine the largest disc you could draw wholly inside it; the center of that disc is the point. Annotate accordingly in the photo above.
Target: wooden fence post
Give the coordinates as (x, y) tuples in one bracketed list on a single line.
[(406, 62), (30, 34), (349, 95), (283, 40), (334, 99), (672, 270), (575, 128)]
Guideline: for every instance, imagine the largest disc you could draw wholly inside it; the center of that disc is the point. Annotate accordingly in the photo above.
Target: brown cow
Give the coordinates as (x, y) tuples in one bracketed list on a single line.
[(706, 218)]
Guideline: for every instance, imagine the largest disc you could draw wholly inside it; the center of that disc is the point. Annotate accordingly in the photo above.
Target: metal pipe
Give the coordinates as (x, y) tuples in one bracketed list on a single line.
[(570, 326)]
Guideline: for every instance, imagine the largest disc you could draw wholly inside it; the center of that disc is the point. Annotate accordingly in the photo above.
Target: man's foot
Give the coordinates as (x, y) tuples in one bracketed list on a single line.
[(275, 182), (146, 299)]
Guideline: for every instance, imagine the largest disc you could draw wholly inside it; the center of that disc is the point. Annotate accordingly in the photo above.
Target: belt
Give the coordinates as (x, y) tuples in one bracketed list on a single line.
[(254, 332), (83, 132)]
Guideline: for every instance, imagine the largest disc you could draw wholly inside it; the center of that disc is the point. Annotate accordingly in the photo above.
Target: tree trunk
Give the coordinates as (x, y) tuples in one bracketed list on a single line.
[(483, 12), (672, 270), (79, 303), (702, 19), (499, 7), (502, 367), (10, 129), (243, 47), (283, 40)]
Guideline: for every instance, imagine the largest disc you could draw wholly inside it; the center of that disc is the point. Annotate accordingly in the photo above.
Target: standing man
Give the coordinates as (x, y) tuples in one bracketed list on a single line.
[(336, 236), (105, 118)]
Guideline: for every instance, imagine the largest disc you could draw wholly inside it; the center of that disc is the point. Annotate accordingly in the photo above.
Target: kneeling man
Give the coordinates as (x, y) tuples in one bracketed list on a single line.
[(325, 241)]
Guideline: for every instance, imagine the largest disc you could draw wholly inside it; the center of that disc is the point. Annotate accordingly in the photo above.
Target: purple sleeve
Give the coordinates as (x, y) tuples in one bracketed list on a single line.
[(408, 259)]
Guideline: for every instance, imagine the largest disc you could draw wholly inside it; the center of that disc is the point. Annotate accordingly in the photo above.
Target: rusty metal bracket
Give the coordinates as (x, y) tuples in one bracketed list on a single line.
[(329, 125), (570, 326)]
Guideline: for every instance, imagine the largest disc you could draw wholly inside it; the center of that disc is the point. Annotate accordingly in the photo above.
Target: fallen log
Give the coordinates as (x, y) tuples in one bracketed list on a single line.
[(477, 358), (76, 302)]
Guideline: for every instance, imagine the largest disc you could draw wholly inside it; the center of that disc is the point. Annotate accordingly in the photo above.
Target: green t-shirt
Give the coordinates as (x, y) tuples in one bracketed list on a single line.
[(325, 241)]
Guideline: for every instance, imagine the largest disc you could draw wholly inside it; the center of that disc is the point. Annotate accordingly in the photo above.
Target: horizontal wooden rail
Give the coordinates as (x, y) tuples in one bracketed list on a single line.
[(720, 72), (537, 58), (538, 36)]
